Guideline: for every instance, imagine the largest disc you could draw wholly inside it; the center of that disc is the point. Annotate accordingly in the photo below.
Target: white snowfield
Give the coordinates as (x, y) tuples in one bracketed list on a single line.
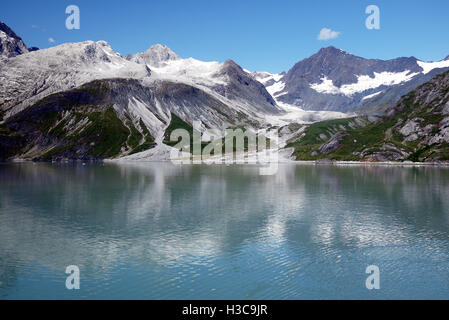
[(275, 88), (429, 66), (190, 71), (167, 65), (364, 83)]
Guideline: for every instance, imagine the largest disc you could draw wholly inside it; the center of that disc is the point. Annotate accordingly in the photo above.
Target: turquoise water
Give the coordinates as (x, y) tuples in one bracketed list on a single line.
[(159, 231)]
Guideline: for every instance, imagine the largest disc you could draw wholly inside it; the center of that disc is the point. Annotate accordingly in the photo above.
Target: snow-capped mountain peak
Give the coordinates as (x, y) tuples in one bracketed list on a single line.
[(155, 56), (29, 77), (333, 79), (190, 71)]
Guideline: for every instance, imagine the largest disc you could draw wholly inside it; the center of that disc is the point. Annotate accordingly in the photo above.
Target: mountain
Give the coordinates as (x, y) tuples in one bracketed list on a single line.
[(416, 129), (333, 79), (30, 77), (107, 119), (11, 44), (85, 101), (155, 56), (226, 79), (239, 85)]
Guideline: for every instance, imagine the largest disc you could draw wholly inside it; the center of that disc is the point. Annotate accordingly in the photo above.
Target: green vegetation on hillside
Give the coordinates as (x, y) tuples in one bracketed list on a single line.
[(104, 137), (149, 140), (356, 139), (177, 123)]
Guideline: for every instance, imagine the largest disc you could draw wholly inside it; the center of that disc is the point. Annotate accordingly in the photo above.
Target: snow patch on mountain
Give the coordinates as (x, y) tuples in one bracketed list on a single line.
[(265, 77), (364, 82), (272, 82), (276, 89), (189, 71), (167, 65), (371, 95), (292, 114), (429, 66)]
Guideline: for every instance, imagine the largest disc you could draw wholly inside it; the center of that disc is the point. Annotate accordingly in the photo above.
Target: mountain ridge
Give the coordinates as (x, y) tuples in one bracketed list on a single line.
[(71, 101), (11, 44), (54, 102)]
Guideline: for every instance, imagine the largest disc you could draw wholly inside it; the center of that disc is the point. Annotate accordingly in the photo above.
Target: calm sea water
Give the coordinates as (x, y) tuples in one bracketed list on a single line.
[(159, 231)]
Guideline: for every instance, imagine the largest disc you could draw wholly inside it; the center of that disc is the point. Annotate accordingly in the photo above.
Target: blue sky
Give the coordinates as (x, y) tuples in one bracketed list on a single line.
[(259, 35)]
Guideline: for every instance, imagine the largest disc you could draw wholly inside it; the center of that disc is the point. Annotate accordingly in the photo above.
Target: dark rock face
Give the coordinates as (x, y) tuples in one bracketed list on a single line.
[(242, 85), (11, 44), (342, 68), (4, 28), (333, 144)]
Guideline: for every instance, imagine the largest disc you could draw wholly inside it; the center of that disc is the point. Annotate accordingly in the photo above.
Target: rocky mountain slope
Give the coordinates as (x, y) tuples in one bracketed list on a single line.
[(53, 102), (226, 79), (11, 44), (416, 129), (109, 118), (28, 78), (333, 79)]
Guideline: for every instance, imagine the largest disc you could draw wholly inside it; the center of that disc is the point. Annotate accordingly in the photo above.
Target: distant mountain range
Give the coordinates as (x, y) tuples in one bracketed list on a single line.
[(85, 101)]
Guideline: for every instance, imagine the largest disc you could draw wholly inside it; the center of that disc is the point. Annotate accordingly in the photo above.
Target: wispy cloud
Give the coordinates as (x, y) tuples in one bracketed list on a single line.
[(51, 40), (328, 34), (38, 27)]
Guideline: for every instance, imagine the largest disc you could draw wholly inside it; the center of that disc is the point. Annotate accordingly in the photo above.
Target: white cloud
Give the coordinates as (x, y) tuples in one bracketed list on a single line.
[(51, 40), (327, 34)]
